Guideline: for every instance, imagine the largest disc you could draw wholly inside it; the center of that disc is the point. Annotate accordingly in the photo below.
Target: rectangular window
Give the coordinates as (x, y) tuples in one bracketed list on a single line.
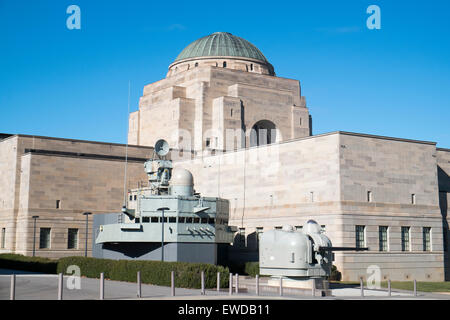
[(208, 142), (137, 220), (311, 196), (426, 239), (360, 236), (369, 196), (406, 246), (172, 219), (161, 219), (413, 199), (72, 239), (44, 238), (278, 228), (145, 219), (196, 220), (181, 219), (3, 238), (189, 220), (383, 238), (211, 221), (298, 228), (154, 219), (204, 220), (58, 204)]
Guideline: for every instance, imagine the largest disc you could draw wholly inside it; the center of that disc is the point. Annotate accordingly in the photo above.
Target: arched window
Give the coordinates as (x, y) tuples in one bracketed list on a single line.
[(224, 64), (251, 66), (263, 132), (196, 64)]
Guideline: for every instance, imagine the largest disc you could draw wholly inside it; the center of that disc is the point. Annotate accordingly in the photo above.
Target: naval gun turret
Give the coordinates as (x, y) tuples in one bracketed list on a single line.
[(300, 255), (167, 220)]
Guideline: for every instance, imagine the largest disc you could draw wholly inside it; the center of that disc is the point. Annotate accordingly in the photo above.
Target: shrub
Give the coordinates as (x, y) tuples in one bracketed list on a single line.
[(252, 268), (187, 275), (24, 263), (335, 274)]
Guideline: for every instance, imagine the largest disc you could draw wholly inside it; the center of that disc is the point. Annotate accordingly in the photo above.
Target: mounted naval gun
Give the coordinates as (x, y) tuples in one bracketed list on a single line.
[(165, 220), (299, 256)]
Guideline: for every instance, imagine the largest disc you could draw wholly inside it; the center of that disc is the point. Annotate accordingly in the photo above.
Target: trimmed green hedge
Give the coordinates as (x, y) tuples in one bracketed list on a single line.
[(20, 262), (252, 268), (187, 275), (335, 274)]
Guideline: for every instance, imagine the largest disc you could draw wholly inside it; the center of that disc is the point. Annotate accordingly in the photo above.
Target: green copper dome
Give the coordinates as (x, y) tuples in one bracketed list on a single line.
[(221, 44)]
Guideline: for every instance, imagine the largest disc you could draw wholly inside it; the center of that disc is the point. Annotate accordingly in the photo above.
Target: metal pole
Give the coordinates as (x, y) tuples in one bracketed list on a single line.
[(257, 285), (415, 288), (218, 281), (86, 245), (162, 236), (172, 283), (162, 230), (281, 286), (12, 295), (139, 287), (231, 284), (362, 286), (203, 282), (60, 286), (389, 287), (102, 286), (313, 289), (237, 283)]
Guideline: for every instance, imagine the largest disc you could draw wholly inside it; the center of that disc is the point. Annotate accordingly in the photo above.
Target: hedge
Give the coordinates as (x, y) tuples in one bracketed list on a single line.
[(335, 274), (187, 275), (252, 268), (20, 262)]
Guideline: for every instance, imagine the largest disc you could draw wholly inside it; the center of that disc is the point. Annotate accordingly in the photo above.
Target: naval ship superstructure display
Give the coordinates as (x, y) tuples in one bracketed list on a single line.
[(165, 220)]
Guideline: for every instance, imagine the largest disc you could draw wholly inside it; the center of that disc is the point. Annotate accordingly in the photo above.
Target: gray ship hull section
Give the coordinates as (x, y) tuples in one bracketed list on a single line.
[(212, 253), (182, 252)]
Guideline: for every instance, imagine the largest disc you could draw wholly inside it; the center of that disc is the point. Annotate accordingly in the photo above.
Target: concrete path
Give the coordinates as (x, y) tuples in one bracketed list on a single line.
[(35, 286)]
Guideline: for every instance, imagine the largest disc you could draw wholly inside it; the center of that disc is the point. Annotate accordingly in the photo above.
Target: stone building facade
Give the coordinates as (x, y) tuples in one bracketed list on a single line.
[(214, 102), (58, 180), (246, 135), (344, 181)]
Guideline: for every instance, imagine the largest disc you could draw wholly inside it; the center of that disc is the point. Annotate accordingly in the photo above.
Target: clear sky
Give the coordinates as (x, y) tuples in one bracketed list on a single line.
[(74, 83)]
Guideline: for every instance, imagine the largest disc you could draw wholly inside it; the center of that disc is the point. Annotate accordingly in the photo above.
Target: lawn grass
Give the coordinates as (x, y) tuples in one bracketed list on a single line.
[(407, 285)]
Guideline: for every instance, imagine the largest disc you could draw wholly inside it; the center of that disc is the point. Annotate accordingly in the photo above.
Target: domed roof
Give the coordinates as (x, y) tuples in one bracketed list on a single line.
[(181, 177), (221, 44)]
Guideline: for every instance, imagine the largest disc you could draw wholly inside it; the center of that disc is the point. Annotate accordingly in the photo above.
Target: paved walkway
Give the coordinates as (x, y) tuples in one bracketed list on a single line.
[(35, 286)]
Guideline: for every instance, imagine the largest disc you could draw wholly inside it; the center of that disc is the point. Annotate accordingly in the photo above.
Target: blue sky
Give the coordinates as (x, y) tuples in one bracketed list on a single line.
[(74, 83)]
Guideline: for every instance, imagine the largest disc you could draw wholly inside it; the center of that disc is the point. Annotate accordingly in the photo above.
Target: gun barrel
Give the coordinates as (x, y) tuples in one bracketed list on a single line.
[(342, 249)]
